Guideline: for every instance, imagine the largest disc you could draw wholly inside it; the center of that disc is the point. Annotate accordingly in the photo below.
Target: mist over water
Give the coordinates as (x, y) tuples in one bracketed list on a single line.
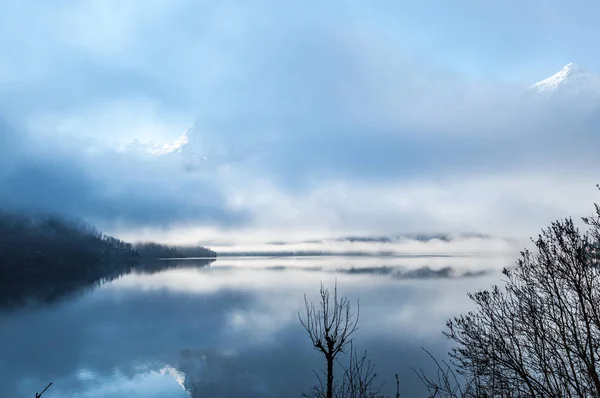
[(230, 328)]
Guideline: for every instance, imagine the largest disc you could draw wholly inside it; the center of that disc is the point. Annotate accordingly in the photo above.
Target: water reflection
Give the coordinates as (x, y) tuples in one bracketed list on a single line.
[(60, 286), (229, 329)]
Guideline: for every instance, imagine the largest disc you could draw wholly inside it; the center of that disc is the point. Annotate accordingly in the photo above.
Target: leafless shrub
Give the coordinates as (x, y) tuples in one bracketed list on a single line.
[(539, 334)]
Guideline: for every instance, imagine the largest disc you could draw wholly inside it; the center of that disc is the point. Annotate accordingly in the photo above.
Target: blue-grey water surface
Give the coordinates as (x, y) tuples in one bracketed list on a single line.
[(231, 329)]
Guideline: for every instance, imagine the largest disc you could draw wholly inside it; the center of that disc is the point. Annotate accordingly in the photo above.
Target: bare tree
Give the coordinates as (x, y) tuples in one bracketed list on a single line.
[(359, 377), (358, 380), (539, 334), (330, 326)]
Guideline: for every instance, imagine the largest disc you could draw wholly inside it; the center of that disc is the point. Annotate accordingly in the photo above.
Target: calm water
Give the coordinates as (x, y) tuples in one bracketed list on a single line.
[(230, 329)]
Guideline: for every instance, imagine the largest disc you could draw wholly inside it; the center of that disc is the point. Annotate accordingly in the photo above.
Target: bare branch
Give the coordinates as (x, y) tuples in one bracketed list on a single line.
[(537, 335), (330, 329), (38, 395)]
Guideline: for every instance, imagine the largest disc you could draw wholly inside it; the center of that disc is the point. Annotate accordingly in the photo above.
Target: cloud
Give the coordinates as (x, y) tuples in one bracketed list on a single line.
[(307, 121), (300, 124), (105, 187), (388, 246)]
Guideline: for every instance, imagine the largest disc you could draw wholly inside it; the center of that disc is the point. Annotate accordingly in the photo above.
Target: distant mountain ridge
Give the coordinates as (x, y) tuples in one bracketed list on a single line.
[(396, 245), (413, 236)]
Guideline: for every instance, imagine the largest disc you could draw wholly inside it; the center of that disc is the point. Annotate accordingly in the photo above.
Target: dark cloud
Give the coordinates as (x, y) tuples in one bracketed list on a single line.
[(285, 98), (505, 143), (106, 189)]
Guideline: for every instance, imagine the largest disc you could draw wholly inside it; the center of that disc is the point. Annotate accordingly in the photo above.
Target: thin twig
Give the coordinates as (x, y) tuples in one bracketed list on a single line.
[(40, 394)]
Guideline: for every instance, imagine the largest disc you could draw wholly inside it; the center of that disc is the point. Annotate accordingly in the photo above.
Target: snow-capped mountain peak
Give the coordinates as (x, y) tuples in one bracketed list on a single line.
[(150, 148), (572, 79), (171, 147)]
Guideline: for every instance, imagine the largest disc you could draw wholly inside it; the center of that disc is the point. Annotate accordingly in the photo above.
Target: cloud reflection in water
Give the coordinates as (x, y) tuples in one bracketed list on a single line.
[(230, 329)]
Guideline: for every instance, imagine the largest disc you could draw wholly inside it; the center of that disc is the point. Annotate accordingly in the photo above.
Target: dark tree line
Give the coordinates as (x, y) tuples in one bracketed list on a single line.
[(46, 256), (535, 335), (151, 250)]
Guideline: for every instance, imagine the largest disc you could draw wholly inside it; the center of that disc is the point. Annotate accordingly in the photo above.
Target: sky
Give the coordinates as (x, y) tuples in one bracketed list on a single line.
[(302, 119)]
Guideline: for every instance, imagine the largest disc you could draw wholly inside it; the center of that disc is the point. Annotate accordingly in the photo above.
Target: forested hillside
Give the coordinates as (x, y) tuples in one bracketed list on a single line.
[(45, 256)]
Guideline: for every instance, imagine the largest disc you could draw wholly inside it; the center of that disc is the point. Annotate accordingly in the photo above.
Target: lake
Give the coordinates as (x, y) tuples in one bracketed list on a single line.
[(230, 328)]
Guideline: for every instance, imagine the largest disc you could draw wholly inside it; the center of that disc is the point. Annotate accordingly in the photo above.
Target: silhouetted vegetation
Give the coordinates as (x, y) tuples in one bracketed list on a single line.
[(539, 334), (330, 326), (39, 395), (154, 251), (44, 257), (536, 336)]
